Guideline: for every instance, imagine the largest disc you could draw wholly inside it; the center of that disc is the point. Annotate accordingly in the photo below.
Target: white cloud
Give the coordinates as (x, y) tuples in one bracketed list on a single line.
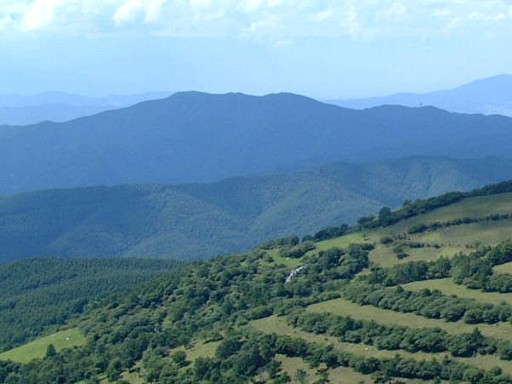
[(351, 23), (154, 11), (127, 11), (40, 14), (275, 20)]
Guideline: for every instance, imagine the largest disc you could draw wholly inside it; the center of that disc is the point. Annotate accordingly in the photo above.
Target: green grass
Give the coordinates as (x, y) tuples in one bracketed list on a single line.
[(278, 259), (452, 240), (343, 307), (504, 268), (291, 365), (448, 287), (344, 241), (199, 349), (341, 375), (474, 207), (37, 348)]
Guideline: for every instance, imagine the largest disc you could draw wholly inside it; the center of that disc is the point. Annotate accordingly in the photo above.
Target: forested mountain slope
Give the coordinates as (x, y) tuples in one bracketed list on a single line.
[(196, 137), (422, 294), (44, 293), (203, 220)]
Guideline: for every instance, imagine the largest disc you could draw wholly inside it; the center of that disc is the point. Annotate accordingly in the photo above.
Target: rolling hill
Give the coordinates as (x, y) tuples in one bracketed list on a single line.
[(195, 137), (489, 96), (418, 295), (195, 221)]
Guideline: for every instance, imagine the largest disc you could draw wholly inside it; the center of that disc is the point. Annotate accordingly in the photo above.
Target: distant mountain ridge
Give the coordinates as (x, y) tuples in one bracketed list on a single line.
[(63, 98), (488, 96), (203, 220), (60, 107), (197, 137)]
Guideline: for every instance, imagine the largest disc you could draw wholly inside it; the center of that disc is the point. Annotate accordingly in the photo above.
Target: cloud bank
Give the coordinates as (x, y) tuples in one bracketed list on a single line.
[(278, 20)]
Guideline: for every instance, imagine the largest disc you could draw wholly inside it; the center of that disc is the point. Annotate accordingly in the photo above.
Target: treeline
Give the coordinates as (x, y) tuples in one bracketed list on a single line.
[(387, 217), (473, 270), (430, 340), (476, 269), (429, 303), (238, 360), (419, 228), (242, 357), (410, 209)]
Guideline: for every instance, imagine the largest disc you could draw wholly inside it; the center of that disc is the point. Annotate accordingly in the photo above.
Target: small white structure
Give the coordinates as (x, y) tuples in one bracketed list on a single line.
[(294, 273)]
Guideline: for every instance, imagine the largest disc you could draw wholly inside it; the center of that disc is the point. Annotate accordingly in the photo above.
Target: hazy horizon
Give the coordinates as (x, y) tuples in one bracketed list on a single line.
[(321, 49)]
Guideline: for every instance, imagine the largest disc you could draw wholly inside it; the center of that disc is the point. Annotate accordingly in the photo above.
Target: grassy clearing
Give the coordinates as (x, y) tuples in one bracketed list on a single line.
[(278, 259), (344, 241), (504, 268), (344, 375), (448, 287), (452, 239), (385, 257), (390, 318), (291, 365), (37, 348), (475, 207), (199, 349), (131, 377), (341, 375), (487, 233)]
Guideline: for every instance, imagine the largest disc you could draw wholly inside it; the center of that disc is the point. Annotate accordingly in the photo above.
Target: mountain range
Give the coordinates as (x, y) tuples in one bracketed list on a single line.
[(196, 137), (194, 221), (488, 96)]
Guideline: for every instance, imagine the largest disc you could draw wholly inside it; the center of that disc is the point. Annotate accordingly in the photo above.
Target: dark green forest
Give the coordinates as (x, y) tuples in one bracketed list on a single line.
[(196, 221), (41, 294)]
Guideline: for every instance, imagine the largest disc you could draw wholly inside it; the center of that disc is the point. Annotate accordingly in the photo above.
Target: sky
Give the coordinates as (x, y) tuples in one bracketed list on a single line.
[(325, 49)]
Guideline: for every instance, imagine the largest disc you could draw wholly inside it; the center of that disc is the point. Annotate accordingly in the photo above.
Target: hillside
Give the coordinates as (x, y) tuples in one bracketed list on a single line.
[(195, 137), (204, 220), (419, 295), (42, 294), (489, 96)]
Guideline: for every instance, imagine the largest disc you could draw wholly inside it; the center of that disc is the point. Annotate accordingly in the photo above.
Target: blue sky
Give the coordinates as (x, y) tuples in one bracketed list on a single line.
[(325, 49)]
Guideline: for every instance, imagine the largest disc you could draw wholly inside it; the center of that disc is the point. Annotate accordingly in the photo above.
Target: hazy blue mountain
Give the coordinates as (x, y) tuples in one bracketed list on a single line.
[(202, 220), (60, 107), (196, 137), (488, 96)]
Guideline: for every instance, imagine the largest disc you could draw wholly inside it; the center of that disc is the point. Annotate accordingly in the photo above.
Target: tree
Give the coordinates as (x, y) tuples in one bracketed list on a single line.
[(51, 351), (301, 376), (180, 358)]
